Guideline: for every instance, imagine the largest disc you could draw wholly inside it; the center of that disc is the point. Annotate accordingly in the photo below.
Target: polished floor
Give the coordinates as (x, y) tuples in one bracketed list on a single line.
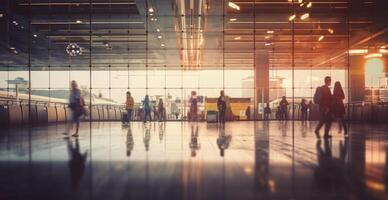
[(181, 160)]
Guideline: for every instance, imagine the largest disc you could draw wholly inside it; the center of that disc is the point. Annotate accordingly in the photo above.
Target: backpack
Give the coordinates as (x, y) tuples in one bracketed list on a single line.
[(317, 95)]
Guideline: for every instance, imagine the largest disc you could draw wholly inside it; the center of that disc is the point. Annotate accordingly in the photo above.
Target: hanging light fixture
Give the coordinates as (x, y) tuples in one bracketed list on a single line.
[(73, 49), (321, 38), (305, 16), (292, 17), (233, 5)]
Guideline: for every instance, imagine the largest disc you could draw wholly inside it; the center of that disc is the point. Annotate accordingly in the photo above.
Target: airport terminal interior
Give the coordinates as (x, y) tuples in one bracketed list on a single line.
[(69, 62)]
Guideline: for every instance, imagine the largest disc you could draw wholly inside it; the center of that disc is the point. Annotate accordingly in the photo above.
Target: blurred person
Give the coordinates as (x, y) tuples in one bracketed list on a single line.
[(161, 110), (76, 104), (323, 97), (309, 109), (221, 105), (267, 112), (146, 109), (129, 106), (339, 107), (193, 107), (284, 108), (303, 110), (248, 113)]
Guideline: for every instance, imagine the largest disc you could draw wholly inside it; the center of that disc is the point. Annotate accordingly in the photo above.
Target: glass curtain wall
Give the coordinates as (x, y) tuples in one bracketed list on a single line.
[(167, 51)]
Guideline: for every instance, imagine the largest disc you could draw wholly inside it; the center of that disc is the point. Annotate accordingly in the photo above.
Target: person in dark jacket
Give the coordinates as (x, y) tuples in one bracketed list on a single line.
[(339, 107), (221, 105), (325, 108), (303, 110), (284, 109)]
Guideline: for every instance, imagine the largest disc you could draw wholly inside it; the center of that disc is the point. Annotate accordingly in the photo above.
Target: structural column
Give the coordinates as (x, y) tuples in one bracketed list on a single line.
[(261, 82), (356, 78)]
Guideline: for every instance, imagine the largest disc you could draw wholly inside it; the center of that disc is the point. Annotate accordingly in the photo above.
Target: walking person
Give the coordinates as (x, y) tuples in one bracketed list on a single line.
[(221, 105), (193, 107), (146, 109), (284, 109), (309, 108), (76, 104), (303, 110), (161, 113), (323, 97), (129, 106), (267, 112), (339, 107)]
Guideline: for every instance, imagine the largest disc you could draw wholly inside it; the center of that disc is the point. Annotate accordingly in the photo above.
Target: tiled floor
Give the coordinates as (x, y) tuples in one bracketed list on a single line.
[(181, 160)]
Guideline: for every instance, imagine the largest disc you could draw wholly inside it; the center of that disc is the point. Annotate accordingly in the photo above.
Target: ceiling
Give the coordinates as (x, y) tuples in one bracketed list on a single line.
[(176, 34)]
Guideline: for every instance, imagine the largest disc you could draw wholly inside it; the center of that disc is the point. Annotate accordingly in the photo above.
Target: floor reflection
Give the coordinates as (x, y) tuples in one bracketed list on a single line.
[(179, 160)]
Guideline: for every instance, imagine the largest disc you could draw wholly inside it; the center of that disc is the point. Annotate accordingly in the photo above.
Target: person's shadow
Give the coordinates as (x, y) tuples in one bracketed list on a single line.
[(76, 163), (130, 143), (330, 173), (223, 140), (194, 141)]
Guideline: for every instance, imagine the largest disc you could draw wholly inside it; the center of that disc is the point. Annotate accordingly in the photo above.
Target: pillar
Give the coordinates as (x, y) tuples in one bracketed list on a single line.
[(261, 82), (356, 76)]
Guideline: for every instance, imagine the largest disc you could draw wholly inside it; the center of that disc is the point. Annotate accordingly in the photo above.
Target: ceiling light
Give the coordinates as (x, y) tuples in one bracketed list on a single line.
[(267, 36), (237, 38), (12, 48), (270, 31), (321, 38), (151, 14), (157, 30), (358, 51), (150, 10), (1, 15), (73, 49), (330, 30), (267, 44), (15, 22), (159, 36), (300, 1), (382, 47), (232, 19), (15, 52), (162, 45), (78, 22), (309, 5), (383, 51), (233, 5), (305, 16), (292, 17), (374, 55), (35, 35), (301, 5)]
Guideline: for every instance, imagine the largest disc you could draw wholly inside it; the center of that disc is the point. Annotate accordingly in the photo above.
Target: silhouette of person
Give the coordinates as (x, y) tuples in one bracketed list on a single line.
[(76, 163), (76, 104), (309, 108), (284, 109), (193, 106), (194, 142), (130, 143), (146, 108), (325, 108), (267, 112), (339, 107), (221, 105), (303, 110), (161, 111), (223, 140)]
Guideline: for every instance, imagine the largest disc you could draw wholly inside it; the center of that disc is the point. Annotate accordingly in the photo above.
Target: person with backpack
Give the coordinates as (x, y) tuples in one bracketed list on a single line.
[(76, 104), (339, 107), (146, 109), (323, 97)]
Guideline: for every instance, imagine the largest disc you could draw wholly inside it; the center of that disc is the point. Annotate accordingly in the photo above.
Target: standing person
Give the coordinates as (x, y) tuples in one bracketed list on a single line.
[(309, 108), (76, 104), (221, 105), (146, 108), (267, 112), (284, 108), (303, 110), (339, 107), (161, 112), (193, 107), (323, 97), (129, 106)]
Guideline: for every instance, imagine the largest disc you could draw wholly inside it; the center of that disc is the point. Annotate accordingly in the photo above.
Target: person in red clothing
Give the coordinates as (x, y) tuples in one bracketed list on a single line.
[(339, 107), (325, 108)]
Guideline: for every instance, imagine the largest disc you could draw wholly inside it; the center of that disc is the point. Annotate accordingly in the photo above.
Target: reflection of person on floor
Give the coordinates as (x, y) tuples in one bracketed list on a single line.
[(162, 129), (147, 137), (223, 140), (194, 142), (76, 163), (331, 172), (130, 143)]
